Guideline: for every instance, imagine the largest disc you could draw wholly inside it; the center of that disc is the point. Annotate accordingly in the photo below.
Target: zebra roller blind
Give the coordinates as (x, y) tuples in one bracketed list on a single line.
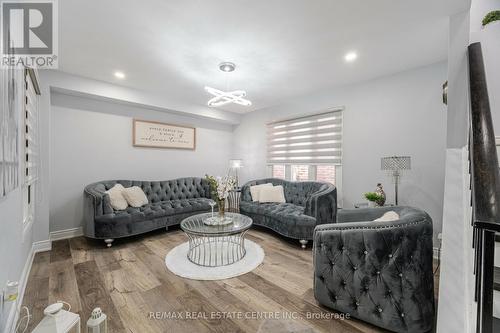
[(315, 139), (31, 131)]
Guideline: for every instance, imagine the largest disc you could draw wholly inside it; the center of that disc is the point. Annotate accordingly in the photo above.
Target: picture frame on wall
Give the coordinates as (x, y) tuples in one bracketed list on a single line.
[(154, 134)]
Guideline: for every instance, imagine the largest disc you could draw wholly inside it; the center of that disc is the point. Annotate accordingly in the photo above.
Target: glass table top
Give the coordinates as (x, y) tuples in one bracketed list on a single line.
[(195, 225)]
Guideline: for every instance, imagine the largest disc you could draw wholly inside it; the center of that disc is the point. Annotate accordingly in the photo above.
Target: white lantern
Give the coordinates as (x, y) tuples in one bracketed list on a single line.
[(97, 322), (58, 320)]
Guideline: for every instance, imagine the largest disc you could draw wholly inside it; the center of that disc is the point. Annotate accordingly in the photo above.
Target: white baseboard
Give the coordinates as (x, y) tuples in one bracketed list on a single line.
[(41, 246), (16, 306), (65, 234)]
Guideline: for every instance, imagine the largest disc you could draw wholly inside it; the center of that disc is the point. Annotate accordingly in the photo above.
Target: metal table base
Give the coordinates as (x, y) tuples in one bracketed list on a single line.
[(214, 251)]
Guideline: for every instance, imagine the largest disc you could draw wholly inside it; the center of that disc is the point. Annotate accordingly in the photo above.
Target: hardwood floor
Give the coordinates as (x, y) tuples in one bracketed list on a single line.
[(133, 287)]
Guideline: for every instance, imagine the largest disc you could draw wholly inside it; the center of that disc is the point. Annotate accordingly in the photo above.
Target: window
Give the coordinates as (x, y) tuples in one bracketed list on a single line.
[(278, 171), (30, 144), (300, 172), (307, 148), (326, 173), (322, 173)]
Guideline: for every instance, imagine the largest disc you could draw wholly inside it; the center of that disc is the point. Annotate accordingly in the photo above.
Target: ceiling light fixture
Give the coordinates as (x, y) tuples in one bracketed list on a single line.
[(351, 56), (221, 97), (227, 66), (119, 75)]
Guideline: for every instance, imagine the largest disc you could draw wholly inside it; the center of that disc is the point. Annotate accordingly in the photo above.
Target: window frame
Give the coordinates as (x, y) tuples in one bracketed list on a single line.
[(312, 176), (30, 182), (312, 166)]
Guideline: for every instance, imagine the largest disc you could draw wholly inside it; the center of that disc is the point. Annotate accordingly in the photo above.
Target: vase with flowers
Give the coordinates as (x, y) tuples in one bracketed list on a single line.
[(219, 188)]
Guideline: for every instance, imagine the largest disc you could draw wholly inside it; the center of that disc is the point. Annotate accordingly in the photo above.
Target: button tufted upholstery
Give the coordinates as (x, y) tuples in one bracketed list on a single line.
[(307, 204), (379, 272), (169, 202)]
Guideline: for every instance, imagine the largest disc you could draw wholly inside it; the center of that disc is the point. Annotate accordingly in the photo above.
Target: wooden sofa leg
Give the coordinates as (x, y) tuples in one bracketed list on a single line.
[(303, 243), (108, 242)]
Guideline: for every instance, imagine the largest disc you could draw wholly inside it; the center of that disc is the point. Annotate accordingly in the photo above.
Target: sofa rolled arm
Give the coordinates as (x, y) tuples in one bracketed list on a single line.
[(96, 203), (363, 214), (379, 272), (322, 205)]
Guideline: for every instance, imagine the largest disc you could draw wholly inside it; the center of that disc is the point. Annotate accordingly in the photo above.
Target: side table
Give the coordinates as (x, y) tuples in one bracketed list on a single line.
[(234, 200)]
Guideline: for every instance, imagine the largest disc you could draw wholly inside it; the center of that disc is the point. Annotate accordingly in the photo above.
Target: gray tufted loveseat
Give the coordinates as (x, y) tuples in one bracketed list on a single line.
[(170, 202), (307, 204), (379, 272)]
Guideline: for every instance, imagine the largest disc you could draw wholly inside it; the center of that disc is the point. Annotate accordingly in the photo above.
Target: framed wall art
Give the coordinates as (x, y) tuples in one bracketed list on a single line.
[(155, 134)]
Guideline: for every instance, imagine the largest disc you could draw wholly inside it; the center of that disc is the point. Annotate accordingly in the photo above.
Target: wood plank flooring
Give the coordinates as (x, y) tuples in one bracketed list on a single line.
[(131, 283)]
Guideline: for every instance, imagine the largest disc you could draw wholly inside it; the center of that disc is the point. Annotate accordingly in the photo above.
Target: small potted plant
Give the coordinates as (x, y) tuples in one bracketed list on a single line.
[(375, 199), (491, 17)]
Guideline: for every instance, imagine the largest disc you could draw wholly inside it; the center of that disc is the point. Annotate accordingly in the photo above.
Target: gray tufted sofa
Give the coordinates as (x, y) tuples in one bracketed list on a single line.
[(169, 203), (379, 272), (307, 205)]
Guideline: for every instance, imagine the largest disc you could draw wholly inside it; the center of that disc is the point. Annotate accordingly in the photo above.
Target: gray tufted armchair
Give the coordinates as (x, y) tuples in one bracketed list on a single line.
[(170, 201), (379, 272), (307, 205)]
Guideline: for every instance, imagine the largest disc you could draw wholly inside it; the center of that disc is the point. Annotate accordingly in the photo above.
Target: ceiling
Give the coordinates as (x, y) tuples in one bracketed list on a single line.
[(282, 48)]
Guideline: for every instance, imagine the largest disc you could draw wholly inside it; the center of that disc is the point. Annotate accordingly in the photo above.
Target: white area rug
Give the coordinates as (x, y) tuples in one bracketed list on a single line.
[(178, 263)]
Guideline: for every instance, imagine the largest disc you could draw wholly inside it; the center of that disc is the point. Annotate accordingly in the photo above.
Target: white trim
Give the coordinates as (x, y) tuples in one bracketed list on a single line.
[(65, 234), (497, 140), (435, 252), (16, 306), (42, 246)]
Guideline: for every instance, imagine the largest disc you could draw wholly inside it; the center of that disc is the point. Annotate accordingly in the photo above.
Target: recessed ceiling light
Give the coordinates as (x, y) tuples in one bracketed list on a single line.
[(227, 66), (119, 75), (351, 56)]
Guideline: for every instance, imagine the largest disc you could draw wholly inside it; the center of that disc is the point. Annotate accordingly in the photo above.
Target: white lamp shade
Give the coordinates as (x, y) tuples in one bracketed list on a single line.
[(236, 164)]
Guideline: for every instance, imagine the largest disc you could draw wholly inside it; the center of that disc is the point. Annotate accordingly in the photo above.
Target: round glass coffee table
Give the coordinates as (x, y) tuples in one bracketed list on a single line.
[(216, 245)]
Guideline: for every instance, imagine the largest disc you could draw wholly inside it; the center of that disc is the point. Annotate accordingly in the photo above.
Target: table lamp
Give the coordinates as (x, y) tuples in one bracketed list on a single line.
[(394, 165)]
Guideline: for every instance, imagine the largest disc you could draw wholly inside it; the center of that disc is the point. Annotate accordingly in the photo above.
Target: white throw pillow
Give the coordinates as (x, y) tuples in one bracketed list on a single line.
[(255, 190), (388, 216), (135, 196), (272, 194), (116, 198)]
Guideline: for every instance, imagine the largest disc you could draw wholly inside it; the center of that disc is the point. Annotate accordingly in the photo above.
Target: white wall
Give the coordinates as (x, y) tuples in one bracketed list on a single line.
[(456, 302), (401, 114), (458, 81), (92, 140)]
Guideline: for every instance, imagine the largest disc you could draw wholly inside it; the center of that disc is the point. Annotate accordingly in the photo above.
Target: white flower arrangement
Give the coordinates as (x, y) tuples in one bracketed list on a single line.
[(220, 186)]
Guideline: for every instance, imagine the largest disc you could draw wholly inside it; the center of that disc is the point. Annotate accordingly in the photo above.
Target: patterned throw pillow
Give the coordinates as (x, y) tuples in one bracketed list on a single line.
[(116, 198), (135, 196)]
